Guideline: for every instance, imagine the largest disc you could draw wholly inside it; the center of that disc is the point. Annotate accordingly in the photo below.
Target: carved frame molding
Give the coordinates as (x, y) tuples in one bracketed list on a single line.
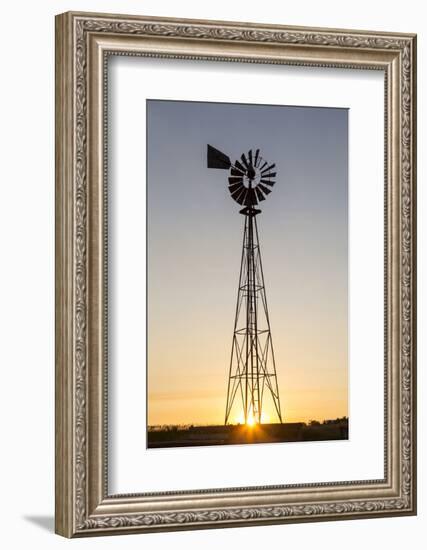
[(83, 43)]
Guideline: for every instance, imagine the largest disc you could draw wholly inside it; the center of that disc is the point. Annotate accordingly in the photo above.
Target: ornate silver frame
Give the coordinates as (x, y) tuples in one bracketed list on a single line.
[(83, 505)]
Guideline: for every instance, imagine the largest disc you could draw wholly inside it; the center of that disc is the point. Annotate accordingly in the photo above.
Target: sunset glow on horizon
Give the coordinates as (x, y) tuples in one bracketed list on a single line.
[(194, 247)]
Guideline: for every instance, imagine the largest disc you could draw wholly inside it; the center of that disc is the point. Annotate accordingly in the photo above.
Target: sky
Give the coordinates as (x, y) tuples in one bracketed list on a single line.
[(194, 246)]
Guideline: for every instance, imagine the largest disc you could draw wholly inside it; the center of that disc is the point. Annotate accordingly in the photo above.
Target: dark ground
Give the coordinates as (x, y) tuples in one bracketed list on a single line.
[(191, 436)]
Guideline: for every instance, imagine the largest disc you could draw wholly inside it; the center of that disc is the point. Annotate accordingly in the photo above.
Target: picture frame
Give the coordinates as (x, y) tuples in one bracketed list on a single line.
[(84, 505)]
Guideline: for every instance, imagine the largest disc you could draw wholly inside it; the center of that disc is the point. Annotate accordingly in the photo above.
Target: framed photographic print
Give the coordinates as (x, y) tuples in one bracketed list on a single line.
[(192, 402), (235, 274)]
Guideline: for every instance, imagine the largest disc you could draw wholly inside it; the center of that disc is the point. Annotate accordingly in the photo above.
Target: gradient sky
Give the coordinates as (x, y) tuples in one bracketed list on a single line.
[(194, 248)]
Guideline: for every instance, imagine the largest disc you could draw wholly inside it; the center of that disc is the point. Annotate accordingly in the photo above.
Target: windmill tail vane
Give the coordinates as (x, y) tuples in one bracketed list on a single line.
[(252, 378)]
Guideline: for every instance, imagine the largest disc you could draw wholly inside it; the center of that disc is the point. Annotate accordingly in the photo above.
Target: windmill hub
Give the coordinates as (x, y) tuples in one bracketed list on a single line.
[(252, 178), (251, 173)]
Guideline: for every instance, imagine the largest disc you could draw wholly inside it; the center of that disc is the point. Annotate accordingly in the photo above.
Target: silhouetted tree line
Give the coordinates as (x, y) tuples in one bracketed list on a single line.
[(342, 420)]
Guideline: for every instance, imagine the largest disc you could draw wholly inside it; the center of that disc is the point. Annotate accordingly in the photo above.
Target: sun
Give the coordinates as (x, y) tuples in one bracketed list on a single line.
[(250, 421)]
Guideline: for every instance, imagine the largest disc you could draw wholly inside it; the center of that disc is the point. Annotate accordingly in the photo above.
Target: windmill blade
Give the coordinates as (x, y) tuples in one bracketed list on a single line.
[(259, 194), (265, 164), (268, 182), (256, 157), (237, 179), (239, 195), (242, 198), (254, 197), (236, 192), (245, 162), (236, 171), (267, 169), (250, 157), (264, 189), (217, 159), (269, 175), (234, 187), (240, 167), (251, 199)]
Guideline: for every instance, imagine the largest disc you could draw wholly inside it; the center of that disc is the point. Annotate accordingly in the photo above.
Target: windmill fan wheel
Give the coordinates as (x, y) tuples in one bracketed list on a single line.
[(251, 179)]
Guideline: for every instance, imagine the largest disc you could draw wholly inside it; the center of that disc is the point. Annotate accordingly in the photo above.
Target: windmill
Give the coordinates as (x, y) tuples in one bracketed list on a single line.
[(252, 374)]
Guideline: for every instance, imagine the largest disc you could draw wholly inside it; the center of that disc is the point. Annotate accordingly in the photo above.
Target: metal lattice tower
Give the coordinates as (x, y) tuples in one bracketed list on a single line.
[(252, 373)]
